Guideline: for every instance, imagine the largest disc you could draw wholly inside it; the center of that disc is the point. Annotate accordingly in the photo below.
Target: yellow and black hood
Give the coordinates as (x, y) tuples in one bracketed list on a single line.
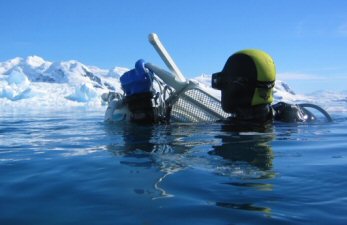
[(247, 79)]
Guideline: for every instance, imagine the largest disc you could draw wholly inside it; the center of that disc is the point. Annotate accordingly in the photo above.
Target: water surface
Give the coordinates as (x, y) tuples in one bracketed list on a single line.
[(71, 168)]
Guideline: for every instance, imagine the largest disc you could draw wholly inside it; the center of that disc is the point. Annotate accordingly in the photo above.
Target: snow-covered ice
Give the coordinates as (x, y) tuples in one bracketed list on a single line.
[(36, 84), (33, 83)]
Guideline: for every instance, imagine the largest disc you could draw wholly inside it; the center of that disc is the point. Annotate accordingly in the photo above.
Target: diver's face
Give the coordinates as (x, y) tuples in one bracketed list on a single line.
[(236, 92), (237, 82)]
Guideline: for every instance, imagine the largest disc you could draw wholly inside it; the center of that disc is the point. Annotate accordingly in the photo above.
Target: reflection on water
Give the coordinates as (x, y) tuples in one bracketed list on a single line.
[(53, 166), (248, 207), (250, 147), (244, 155), (146, 147)]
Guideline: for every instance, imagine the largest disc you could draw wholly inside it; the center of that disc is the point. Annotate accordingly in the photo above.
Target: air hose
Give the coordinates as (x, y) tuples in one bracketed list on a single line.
[(325, 113)]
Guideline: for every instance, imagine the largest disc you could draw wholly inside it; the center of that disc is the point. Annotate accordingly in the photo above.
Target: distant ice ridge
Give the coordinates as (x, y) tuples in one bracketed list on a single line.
[(33, 83)]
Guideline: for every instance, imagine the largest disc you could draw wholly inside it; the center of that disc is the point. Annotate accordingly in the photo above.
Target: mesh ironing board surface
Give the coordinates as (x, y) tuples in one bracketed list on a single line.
[(195, 105)]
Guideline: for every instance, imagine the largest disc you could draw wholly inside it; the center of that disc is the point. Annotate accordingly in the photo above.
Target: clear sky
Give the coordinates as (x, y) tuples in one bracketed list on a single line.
[(306, 38)]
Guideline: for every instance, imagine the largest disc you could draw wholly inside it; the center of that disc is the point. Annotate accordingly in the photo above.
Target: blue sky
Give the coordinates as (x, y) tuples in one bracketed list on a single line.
[(307, 39)]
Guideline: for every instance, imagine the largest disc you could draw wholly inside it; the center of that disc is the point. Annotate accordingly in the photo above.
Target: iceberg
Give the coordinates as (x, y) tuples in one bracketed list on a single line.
[(84, 93)]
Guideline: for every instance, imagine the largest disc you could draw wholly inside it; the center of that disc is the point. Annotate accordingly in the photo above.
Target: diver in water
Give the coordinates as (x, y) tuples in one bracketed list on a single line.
[(140, 103), (246, 83)]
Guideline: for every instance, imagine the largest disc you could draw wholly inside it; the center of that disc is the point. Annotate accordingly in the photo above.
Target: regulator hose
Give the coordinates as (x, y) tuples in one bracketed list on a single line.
[(321, 110)]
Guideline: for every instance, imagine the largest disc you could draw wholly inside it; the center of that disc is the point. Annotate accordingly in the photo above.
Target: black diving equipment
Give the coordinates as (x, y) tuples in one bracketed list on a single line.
[(286, 112)]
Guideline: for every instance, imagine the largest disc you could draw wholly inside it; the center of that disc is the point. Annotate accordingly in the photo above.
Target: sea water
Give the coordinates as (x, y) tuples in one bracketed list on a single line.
[(72, 168)]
